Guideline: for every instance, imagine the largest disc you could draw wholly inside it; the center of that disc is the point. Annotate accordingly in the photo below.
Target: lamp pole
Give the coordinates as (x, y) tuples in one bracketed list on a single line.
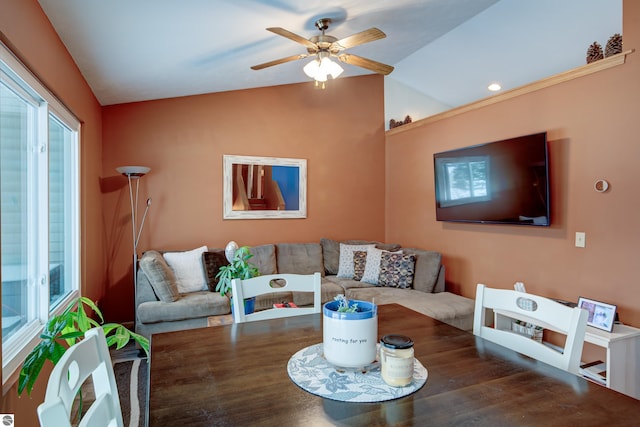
[(133, 174)]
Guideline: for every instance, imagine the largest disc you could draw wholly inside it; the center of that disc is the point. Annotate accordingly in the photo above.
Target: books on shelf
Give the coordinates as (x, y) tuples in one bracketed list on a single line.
[(595, 371)]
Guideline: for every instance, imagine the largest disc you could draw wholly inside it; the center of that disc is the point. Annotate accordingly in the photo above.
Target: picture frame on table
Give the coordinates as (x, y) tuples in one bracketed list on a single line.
[(601, 314)]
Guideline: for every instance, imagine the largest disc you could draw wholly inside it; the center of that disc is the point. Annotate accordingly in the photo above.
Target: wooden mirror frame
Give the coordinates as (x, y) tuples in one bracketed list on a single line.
[(227, 203)]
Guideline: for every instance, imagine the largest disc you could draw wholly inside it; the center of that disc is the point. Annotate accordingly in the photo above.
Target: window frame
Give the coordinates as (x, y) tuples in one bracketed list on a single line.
[(19, 345)]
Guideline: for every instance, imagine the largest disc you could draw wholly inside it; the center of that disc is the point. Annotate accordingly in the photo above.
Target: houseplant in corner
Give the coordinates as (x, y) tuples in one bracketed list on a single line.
[(70, 327), (239, 268)]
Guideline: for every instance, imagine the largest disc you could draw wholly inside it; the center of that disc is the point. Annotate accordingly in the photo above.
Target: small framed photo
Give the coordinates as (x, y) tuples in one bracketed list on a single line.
[(601, 314)]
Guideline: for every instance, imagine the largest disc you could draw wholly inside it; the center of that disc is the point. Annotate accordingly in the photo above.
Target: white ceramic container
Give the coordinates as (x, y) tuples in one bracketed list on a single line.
[(349, 339)]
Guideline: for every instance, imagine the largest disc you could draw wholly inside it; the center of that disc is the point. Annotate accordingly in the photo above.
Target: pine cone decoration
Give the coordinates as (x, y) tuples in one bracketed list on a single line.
[(392, 123), (594, 53), (614, 45), (407, 120)]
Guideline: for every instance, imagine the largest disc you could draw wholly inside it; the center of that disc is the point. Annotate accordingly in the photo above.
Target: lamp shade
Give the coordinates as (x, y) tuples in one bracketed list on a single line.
[(133, 171), (312, 68), (329, 67), (320, 69)]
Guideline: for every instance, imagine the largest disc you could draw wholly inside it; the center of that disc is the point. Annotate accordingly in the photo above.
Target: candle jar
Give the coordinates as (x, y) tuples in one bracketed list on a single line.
[(396, 360)]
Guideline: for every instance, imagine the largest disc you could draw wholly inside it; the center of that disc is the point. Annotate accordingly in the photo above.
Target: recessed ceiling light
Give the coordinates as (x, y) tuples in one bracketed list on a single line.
[(494, 87)]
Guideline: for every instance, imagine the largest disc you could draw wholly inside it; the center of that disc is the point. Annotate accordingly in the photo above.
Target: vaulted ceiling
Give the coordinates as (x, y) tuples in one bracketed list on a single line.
[(449, 50)]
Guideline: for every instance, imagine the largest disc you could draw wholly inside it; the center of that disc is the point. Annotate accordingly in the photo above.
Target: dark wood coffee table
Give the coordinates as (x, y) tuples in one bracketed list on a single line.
[(236, 375)]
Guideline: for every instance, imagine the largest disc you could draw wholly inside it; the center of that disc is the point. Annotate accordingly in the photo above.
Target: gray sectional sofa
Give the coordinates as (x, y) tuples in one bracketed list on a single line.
[(159, 308)]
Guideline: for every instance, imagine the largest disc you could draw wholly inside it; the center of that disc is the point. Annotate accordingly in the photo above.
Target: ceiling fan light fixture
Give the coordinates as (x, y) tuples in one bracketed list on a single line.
[(312, 68), (329, 67), (320, 69), (320, 77), (323, 46)]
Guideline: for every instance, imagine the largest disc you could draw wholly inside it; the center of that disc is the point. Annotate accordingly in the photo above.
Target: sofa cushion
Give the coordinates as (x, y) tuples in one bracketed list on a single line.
[(426, 270), (160, 276), (328, 291), (189, 306), (397, 270), (331, 251), (264, 258), (346, 284), (453, 309), (330, 255), (345, 267), (212, 261), (299, 258), (188, 268)]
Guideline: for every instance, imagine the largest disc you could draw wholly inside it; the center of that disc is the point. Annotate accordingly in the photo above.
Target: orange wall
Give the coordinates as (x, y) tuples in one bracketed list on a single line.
[(340, 131), (592, 131), (26, 27)]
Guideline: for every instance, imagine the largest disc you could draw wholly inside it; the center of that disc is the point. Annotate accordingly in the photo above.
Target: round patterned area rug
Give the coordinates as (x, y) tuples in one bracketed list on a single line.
[(310, 371)]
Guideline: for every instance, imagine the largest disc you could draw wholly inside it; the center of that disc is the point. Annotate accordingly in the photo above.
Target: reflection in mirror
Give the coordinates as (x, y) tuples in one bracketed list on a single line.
[(264, 187)]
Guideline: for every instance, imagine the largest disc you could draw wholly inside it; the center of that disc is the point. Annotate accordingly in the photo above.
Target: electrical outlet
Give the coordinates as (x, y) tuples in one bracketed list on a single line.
[(581, 239)]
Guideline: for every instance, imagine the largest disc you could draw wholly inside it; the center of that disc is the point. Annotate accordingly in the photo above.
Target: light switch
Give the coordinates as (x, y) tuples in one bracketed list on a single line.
[(581, 238)]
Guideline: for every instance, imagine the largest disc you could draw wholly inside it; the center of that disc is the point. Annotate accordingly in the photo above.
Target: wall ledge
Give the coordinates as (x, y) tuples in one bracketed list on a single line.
[(565, 76)]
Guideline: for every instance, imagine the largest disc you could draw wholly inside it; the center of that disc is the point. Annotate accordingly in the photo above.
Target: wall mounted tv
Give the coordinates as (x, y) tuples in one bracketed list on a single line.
[(502, 182)]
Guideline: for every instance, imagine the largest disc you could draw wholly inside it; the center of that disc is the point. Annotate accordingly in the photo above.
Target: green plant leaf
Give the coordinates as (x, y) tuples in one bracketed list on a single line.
[(93, 307), (70, 327), (239, 268), (29, 374)]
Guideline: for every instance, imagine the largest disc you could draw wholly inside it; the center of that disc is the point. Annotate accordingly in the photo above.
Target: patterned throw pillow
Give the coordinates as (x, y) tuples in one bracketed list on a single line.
[(345, 268), (359, 263), (396, 270), (372, 265)]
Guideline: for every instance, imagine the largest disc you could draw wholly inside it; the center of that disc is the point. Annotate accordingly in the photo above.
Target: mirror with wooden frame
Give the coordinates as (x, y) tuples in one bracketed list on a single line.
[(264, 187)]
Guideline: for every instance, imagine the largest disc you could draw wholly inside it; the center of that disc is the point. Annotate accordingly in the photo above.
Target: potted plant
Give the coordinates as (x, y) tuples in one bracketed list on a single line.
[(69, 327), (239, 268), (349, 332)]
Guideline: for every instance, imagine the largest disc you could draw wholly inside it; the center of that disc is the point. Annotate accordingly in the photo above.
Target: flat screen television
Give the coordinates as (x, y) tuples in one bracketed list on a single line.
[(502, 182)]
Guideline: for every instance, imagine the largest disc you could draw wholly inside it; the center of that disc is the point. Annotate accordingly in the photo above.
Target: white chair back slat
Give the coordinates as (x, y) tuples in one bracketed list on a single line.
[(87, 358), (261, 285), (536, 310)]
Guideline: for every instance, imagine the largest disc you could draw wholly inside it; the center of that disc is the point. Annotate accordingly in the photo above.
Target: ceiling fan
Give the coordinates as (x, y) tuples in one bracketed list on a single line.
[(324, 46)]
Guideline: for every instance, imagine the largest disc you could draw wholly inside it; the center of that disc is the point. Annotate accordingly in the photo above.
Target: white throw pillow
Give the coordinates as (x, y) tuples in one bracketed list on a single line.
[(372, 266), (188, 269), (345, 266)]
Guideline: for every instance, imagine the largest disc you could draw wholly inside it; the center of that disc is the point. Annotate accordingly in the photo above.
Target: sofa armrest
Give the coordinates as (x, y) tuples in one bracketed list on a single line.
[(144, 291)]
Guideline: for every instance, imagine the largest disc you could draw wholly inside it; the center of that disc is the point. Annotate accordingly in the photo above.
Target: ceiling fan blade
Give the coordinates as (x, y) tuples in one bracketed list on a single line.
[(279, 61), (366, 36), (369, 64), (292, 36)]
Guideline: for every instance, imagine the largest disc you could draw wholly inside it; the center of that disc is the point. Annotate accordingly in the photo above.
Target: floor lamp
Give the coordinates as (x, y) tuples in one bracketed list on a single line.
[(133, 174)]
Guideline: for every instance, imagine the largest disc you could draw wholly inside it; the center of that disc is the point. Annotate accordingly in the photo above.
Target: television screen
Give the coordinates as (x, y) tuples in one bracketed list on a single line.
[(503, 182)]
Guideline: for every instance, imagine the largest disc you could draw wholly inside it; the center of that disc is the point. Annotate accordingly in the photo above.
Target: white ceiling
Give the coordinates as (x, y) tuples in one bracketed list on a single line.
[(136, 50)]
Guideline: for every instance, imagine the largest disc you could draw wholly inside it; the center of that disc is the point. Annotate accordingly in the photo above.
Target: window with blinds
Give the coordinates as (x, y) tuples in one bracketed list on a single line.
[(39, 208)]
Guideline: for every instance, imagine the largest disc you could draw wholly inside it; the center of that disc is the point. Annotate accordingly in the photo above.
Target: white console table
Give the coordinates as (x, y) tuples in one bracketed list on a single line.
[(623, 357), (623, 352)]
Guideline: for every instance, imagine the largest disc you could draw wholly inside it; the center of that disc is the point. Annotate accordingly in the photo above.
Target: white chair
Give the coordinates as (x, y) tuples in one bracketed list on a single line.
[(508, 305), (89, 357), (261, 285)]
